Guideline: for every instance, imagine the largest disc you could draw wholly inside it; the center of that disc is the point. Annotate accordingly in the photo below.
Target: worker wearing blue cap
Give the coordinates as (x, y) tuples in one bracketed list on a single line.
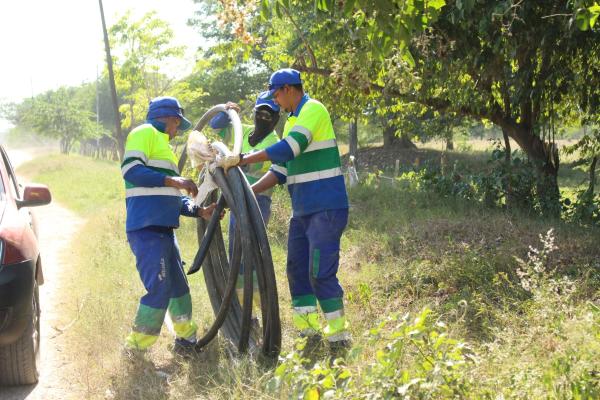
[(255, 138), (154, 203), (308, 161)]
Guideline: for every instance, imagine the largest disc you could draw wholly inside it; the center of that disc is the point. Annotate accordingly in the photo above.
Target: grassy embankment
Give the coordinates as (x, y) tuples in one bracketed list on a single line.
[(403, 251)]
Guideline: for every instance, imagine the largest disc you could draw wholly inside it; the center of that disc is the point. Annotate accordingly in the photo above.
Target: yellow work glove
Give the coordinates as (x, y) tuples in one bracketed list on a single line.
[(229, 161)]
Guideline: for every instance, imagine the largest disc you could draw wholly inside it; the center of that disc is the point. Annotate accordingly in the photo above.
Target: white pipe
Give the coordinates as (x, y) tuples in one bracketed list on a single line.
[(238, 135), (221, 148)]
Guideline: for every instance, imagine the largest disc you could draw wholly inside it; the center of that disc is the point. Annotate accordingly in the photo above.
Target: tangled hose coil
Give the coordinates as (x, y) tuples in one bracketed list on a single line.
[(250, 248)]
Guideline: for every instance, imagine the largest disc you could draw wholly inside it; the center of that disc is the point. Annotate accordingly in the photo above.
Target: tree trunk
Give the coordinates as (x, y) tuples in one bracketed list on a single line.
[(449, 144), (391, 140), (545, 156), (113, 89), (353, 137), (507, 161), (592, 176)]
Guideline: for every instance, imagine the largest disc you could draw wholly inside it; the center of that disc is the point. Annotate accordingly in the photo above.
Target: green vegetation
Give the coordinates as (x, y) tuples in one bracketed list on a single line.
[(445, 297), (473, 273)]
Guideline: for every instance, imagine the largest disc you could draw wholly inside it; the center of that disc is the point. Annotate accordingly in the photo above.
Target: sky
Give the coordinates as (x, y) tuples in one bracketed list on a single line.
[(45, 44)]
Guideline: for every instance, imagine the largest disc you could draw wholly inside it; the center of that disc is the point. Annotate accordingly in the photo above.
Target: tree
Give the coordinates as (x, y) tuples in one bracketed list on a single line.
[(143, 51), (57, 114), (525, 66)]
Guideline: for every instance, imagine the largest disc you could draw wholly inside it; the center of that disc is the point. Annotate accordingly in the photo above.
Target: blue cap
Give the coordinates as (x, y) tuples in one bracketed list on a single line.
[(167, 107), (282, 77), (219, 121), (265, 99)]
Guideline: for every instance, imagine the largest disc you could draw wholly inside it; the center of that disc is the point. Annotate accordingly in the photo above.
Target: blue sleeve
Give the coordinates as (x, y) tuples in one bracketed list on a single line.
[(280, 152), (188, 208), (140, 175), (280, 172)]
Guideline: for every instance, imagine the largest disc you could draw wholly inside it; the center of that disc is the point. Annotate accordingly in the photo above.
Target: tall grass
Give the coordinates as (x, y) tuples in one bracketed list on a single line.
[(403, 251)]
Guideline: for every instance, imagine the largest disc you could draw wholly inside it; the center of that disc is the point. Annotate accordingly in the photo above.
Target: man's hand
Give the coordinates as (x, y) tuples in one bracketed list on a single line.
[(207, 212), (182, 183), (229, 161), (230, 105)]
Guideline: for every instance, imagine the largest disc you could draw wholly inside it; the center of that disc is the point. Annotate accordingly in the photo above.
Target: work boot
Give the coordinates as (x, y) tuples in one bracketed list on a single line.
[(185, 348), (313, 347), (339, 349)]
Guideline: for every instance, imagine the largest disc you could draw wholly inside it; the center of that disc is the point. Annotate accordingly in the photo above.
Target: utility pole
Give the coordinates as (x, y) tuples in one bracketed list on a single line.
[(97, 97), (113, 90)]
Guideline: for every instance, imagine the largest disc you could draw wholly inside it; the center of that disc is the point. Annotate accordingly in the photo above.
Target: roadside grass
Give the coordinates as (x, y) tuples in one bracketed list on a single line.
[(403, 251)]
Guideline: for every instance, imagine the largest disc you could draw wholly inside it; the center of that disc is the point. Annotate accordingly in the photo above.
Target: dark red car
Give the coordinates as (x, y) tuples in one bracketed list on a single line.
[(20, 276)]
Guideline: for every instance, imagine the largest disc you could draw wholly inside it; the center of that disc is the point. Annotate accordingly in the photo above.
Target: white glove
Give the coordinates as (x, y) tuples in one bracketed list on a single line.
[(199, 150), (229, 161)]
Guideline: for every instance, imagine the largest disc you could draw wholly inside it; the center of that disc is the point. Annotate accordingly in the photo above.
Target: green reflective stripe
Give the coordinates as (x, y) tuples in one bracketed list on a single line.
[(331, 305), (180, 306), (186, 330), (135, 154), (164, 165), (303, 301), (148, 319), (130, 165), (317, 160), (325, 144), (315, 262), (152, 191), (299, 138), (303, 130), (294, 145), (314, 176), (140, 341)]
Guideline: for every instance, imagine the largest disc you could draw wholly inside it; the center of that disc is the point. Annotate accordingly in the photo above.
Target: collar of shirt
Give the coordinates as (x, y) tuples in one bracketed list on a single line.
[(303, 101)]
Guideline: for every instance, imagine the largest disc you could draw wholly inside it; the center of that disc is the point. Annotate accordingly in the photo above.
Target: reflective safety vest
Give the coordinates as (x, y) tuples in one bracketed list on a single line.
[(314, 176), (254, 171), (150, 205)]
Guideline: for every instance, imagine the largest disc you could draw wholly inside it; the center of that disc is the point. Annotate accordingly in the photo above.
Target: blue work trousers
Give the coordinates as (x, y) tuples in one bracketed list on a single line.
[(159, 265), (313, 256)]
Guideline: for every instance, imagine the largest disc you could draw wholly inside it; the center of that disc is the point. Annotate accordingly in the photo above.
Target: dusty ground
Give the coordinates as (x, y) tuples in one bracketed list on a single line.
[(57, 227)]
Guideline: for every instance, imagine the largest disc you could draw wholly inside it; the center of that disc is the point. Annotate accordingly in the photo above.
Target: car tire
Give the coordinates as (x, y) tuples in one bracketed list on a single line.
[(19, 361)]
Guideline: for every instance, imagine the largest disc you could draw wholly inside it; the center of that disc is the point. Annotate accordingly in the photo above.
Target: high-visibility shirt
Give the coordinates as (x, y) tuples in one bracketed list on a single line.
[(307, 159), (255, 171), (148, 159)]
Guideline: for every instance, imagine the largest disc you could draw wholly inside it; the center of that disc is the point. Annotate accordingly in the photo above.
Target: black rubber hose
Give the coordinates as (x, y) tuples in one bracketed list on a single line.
[(208, 235), (250, 247)]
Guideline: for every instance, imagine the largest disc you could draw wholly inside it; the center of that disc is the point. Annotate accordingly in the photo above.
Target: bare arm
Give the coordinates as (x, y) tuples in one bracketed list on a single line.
[(267, 181), (256, 157)]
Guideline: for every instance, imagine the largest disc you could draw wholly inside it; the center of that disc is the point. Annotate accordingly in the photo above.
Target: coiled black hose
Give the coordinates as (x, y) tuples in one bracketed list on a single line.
[(250, 247)]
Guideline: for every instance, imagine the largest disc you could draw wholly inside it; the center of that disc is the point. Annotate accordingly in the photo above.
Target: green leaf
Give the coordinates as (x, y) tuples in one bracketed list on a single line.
[(311, 394), (349, 7), (582, 20), (407, 56), (264, 10)]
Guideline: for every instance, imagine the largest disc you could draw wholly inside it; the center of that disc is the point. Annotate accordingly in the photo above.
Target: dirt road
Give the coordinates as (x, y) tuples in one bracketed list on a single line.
[(57, 227)]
